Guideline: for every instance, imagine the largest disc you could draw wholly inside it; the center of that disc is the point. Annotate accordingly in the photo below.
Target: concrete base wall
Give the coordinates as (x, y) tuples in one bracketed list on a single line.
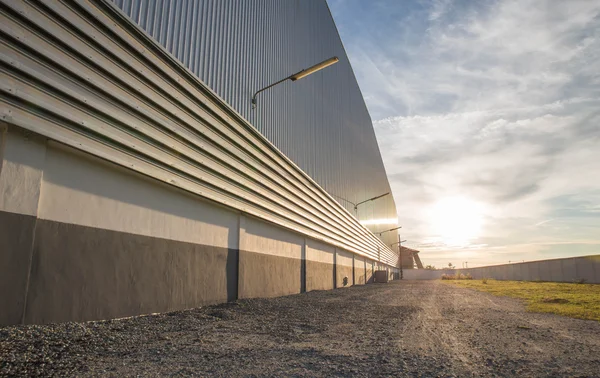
[(263, 275), (370, 269), (82, 239), (16, 236), (81, 273), (319, 276), (319, 266), (270, 260), (344, 268), (21, 167), (574, 269), (360, 270)]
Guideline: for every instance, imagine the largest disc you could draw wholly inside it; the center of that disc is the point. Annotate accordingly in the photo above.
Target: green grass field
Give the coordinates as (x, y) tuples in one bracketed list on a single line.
[(581, 301)]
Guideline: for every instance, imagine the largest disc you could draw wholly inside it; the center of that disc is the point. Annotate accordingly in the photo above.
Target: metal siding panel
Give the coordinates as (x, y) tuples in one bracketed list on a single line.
[(321, 123)]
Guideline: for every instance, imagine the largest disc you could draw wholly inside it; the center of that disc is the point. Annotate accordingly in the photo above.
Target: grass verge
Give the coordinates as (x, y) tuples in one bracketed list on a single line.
[(581, 301)]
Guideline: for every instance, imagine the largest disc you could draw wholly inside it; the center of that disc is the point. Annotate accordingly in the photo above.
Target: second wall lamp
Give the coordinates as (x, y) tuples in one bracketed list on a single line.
[(299, 75)]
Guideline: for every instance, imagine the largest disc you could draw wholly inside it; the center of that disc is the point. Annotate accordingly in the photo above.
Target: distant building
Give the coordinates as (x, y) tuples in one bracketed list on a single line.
[(410, 259)]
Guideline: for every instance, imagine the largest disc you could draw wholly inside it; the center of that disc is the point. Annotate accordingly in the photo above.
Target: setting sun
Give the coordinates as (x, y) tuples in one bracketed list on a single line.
[(456, 220)]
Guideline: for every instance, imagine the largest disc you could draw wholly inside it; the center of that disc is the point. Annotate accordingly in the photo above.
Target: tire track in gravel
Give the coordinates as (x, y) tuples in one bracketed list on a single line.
[(434, 333), (404, 329)]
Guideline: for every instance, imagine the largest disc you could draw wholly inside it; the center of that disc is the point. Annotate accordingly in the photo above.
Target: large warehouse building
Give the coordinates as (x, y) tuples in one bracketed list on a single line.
[(137, 177)]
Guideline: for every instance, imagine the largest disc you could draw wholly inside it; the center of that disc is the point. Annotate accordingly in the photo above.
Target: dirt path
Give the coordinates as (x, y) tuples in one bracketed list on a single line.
[(408, 328)]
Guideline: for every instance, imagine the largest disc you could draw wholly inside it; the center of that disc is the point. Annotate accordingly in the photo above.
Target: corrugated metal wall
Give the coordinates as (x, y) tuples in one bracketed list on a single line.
[(321, 122)]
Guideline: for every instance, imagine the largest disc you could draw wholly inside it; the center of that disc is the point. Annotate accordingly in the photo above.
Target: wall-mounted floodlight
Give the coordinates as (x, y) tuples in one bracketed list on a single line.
[(370, 199), (398, 242), (391, 229), (360, 203), (299, 75)]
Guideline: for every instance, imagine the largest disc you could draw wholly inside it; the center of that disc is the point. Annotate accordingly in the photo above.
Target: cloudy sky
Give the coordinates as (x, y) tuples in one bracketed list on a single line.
[(488, 120)]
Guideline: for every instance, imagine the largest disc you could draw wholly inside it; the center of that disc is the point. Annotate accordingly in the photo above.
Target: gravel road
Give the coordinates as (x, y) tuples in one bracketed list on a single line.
[(404, 328)]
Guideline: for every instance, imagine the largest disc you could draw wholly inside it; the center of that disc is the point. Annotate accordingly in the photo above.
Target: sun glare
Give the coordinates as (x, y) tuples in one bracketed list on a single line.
[(456, 220), (380, 221)]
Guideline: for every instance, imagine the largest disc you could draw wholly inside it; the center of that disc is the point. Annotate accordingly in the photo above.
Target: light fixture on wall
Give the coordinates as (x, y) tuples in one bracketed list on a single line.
[(361, 202), (391, 229), (299, 75), (370, 199), (398, 242)]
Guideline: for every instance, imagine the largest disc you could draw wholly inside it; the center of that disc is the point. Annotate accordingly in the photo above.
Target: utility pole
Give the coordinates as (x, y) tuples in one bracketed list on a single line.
[(400, 253), (399, 242)]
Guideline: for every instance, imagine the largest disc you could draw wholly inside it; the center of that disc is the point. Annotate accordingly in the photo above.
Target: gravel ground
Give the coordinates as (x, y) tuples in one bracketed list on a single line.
[(404, 328)]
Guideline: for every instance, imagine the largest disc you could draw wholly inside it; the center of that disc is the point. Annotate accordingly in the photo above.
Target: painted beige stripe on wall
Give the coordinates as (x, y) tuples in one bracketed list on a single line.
[(265, 238), (80, 189), (319, 252), (21, 174), (344, 258)]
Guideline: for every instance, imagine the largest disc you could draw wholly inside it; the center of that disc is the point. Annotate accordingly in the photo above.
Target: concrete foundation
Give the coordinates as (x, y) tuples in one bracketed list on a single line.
[(270, 260), (83, 239), (16, 235), (263, 276), (370, 269), (360, 270), (319, 266), (344, 268), (21, 167), (82, 273)]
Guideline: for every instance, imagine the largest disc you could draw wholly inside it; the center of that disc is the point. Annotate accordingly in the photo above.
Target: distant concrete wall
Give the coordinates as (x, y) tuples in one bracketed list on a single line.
[(424, 274), (573, 269), (84, 239)]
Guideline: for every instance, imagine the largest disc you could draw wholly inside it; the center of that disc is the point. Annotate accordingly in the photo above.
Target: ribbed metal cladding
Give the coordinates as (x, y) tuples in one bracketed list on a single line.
[(321, 122)]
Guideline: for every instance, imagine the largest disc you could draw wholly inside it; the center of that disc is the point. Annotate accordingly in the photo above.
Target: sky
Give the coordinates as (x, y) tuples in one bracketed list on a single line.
[(487, 115)]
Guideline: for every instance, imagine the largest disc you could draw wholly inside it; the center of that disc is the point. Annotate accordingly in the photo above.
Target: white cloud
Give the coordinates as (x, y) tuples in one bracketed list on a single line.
[(494, 101)]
